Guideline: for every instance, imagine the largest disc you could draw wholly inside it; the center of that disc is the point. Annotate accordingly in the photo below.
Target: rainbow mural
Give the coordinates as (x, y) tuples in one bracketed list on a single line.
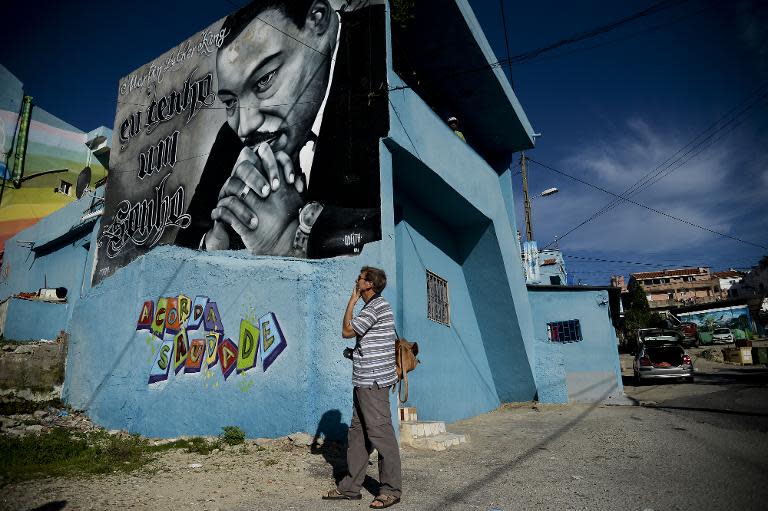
[(56, 153)]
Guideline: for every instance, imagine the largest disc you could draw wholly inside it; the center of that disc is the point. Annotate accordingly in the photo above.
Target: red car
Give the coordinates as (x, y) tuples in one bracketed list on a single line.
[(690, 333)]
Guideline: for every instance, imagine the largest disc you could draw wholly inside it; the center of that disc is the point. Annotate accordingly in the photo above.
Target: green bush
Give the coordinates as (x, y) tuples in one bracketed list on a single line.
[(232, 435)]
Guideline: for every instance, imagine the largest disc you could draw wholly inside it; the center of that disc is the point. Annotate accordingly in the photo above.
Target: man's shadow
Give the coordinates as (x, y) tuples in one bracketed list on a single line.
[(333, 448)]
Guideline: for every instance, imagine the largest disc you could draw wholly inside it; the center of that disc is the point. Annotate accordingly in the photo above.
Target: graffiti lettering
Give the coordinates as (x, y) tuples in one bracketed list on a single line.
[(208, 43), (130, 127), (158, 156), (202, 341), (144, 222), (192, 96), (352, 239), (163, 362)]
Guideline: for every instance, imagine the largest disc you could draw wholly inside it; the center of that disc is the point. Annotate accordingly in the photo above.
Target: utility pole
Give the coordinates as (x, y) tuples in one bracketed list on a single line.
[(526, 199)]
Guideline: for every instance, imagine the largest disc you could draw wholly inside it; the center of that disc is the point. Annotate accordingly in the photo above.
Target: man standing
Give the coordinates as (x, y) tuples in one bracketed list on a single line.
[(373, 373)]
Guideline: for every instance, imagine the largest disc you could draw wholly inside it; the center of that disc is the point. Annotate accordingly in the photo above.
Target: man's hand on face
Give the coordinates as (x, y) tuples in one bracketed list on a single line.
[(355, 294), (256, 203)]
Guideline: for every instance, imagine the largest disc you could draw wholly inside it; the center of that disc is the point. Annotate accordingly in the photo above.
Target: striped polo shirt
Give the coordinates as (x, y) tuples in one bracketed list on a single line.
[(373, 360)]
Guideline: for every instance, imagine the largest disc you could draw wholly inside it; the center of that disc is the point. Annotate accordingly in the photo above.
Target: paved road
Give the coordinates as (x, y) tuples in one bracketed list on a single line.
[(730, 396)]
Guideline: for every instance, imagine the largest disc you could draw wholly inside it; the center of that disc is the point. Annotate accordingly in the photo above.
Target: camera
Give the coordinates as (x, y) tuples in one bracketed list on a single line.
[(348, 353)]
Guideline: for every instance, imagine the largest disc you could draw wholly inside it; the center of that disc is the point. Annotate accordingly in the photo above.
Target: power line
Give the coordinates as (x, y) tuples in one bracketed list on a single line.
[(230, 2), (666, 167), (597, 259), (532, 54), (628, 36), (659, 212), (506, 41), (660, 172)]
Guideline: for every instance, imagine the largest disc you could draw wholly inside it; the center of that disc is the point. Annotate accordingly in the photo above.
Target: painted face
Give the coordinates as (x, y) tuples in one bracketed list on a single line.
[(271, 84)]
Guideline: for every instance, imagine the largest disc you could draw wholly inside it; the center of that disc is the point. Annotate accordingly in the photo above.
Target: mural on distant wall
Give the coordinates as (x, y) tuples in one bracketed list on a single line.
[(191, 338), (735, 318), (52, 145), (260, 133)]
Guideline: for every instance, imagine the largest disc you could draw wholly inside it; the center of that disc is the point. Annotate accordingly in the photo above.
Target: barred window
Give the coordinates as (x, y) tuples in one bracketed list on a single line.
[(437, 299), (564, 331)]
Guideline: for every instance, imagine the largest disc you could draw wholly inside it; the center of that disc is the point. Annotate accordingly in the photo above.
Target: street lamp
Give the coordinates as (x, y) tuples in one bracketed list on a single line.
[(548, 192), (527, 200)]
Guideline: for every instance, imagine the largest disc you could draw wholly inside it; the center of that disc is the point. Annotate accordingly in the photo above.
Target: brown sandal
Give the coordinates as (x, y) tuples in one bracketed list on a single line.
[(385, 500), (335, 494)]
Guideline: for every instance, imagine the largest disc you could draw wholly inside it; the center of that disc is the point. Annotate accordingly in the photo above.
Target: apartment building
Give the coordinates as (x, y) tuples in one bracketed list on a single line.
[(678, 286)]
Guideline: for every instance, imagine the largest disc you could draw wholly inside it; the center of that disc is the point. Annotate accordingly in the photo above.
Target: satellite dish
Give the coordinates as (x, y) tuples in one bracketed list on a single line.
[(83, 180)]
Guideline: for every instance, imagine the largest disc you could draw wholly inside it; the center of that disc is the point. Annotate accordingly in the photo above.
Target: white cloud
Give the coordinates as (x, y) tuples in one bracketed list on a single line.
[(709, 190)]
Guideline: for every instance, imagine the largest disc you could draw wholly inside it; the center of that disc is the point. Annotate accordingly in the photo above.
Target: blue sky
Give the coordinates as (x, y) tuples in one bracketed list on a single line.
[(610, 109)]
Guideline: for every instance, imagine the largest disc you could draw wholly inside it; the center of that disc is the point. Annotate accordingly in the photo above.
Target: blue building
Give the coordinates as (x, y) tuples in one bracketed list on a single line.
[(175, 340)]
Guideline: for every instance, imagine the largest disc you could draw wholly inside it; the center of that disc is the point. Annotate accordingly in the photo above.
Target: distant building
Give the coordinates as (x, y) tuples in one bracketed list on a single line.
[(618, 281), (754, 282), (728, 279), (545, 267), (42, 157), (679, 286)]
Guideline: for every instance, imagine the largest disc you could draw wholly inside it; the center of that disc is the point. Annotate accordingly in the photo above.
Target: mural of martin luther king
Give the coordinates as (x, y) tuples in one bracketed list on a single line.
[(294, 170)]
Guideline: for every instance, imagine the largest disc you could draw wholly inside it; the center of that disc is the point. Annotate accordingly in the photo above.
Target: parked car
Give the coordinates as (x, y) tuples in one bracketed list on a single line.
[(722, 336), (660, 356), (690, 333)]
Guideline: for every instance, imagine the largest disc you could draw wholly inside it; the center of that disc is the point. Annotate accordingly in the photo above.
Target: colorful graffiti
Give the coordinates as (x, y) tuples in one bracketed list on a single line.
[(737, 319), (192, 339)]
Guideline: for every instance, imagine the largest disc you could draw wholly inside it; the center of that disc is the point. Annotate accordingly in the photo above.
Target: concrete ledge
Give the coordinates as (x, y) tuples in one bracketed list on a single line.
[(33, 369)]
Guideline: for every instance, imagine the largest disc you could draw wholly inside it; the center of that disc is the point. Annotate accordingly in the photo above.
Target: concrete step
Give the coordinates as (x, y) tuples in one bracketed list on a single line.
[(439, 442), (411, 430)]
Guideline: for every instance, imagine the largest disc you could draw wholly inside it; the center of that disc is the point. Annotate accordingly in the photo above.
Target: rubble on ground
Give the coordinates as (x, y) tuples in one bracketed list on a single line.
[(42, 421)]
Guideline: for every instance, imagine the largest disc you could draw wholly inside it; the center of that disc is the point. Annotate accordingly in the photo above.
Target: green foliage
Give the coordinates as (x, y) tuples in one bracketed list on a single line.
[(232, 435), (638, 315), (60, 452), (656, 320), (196, 445)]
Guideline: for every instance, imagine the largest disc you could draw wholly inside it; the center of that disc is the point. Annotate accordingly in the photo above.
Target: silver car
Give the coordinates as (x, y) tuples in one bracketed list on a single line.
[(722, 336), (662, 358)]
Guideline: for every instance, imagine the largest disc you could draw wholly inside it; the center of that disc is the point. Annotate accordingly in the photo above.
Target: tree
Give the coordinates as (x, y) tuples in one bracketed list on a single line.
[(639, 315)]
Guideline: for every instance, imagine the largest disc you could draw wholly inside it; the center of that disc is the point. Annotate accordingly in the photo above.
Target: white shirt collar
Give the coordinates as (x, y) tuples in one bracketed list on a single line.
[(307, 154)]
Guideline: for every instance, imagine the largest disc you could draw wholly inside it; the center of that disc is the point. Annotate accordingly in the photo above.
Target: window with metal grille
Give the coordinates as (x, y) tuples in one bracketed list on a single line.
[(564, 331), (437, 299)]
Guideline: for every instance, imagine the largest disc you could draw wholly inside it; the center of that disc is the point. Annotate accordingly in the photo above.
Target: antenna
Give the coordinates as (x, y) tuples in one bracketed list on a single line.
[(83, 180)]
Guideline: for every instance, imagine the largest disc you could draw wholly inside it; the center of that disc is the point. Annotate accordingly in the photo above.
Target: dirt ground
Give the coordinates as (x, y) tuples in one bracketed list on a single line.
[(584, 457), (576, 456)]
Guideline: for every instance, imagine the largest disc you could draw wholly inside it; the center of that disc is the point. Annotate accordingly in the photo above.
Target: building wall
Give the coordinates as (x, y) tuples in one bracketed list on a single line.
[(441, 175), (52, 144), (64, 262), (671, 287), (419, 132), (448, 200), (110, 361), (591, 367), (552, 268)]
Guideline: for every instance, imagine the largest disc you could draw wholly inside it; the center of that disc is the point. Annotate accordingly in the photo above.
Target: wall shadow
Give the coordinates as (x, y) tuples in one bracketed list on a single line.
[(330, 441), (333, 448)]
